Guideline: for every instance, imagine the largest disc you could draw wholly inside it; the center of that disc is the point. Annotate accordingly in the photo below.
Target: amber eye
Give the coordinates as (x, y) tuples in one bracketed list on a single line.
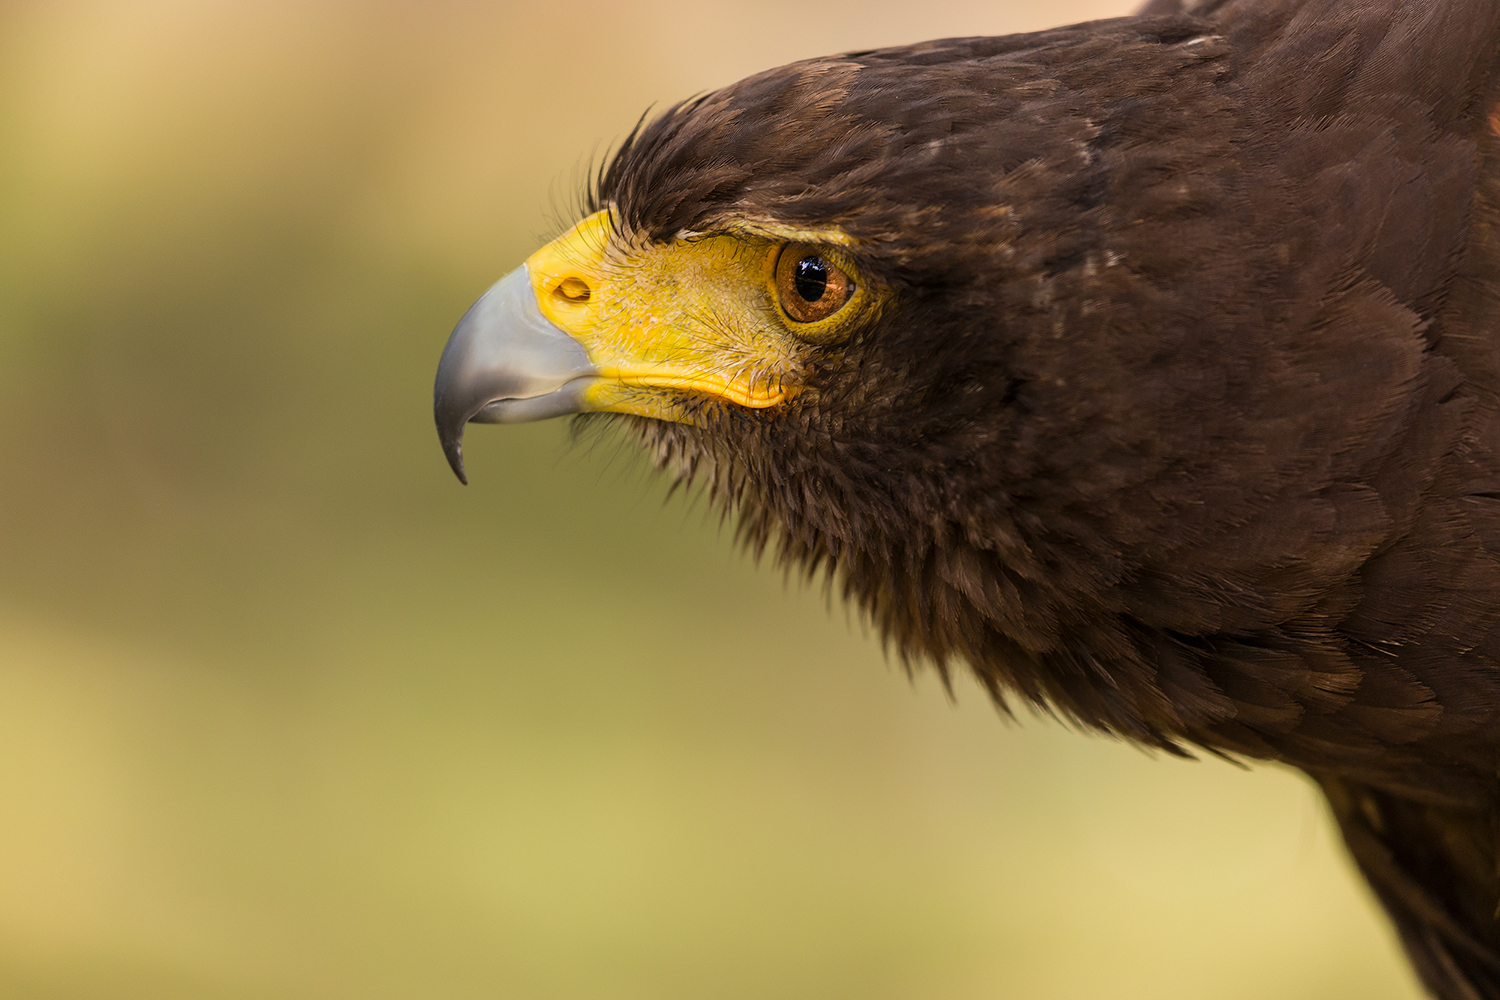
[(810, 286)]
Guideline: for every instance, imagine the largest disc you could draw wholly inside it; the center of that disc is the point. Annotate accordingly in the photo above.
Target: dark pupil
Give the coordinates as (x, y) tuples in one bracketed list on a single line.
[(811, 278)]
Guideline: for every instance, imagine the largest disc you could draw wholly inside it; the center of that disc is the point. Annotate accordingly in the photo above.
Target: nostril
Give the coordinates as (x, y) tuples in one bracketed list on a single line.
[(573, 289)]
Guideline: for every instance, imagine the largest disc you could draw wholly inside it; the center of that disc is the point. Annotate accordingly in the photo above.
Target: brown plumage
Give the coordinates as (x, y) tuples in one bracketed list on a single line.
[(1182, 417)]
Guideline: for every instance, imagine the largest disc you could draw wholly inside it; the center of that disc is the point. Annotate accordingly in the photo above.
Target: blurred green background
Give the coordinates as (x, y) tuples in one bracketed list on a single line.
[(287, 713)]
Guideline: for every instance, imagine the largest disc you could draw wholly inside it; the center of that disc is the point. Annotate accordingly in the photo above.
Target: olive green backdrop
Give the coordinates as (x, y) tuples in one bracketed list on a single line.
[(285, 712)]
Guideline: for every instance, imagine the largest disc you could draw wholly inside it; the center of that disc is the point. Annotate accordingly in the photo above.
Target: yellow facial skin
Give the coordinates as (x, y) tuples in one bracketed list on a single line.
[(697, 314)]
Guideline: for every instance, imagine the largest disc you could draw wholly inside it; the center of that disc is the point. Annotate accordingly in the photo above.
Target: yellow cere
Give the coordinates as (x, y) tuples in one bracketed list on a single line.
[(694, 314)]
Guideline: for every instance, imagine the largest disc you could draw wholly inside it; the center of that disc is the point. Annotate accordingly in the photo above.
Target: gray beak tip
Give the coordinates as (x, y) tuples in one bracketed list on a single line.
[(505, 363), (451, 418), (454, 449)]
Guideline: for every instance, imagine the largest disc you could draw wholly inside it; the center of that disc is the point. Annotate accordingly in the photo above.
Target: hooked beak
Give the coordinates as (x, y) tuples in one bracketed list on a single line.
[(506, 363)]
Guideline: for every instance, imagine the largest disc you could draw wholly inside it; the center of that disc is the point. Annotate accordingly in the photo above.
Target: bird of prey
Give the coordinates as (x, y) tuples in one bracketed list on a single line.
[(1149, 367)]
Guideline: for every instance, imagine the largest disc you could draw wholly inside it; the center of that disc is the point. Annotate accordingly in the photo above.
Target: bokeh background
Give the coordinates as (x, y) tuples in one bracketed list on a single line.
[(287, 713)]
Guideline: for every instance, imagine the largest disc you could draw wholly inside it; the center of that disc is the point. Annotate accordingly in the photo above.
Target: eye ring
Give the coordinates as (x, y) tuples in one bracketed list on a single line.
[(810, 286)]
